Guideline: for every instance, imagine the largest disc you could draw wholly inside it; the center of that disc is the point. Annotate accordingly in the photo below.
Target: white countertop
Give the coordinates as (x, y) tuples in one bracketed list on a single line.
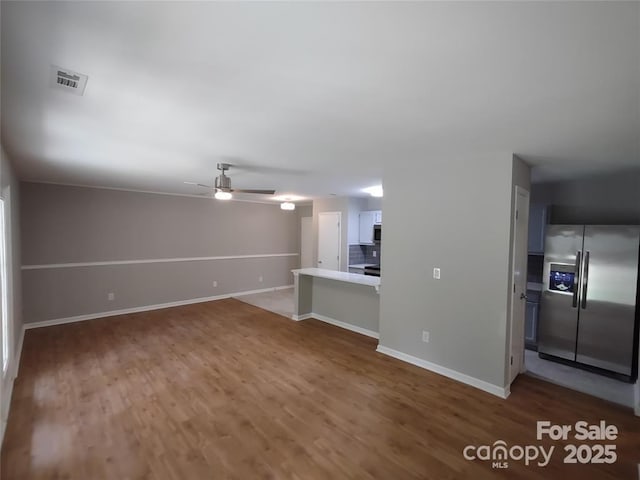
[(340, 276), (363, 265)]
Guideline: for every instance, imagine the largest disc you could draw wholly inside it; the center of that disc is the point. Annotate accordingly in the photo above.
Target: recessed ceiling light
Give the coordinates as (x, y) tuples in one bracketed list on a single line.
[(375, 191)]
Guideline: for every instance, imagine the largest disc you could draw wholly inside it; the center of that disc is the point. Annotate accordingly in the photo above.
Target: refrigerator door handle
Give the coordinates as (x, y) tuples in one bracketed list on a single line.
[(576, 282), (585, 278)]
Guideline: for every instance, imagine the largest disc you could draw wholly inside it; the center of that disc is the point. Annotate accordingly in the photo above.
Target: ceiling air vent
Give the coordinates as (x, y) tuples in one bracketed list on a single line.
[(68, 80)]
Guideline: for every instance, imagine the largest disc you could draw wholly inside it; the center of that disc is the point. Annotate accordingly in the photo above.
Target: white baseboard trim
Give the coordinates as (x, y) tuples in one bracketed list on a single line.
[(3, 427), (506, 391), (146, 308), (13, 374), (337, 323), (18, 353), (261, 290), (502, 392)]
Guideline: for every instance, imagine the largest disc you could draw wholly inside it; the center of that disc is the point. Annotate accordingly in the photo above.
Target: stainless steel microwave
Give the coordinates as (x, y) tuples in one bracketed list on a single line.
[(377, 233)]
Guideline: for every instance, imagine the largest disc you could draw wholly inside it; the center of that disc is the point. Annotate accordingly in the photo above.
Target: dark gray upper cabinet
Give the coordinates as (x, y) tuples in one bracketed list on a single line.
[(537, 226)]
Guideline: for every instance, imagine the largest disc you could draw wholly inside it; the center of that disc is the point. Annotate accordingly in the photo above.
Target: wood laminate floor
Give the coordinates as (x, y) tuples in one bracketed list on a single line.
[(227, 390)]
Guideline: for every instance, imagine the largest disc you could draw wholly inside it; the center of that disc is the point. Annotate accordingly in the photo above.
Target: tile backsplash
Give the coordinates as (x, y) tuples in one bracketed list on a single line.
[(364, 254)]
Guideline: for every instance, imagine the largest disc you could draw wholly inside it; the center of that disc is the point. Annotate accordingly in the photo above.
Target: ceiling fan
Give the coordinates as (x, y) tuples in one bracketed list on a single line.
[(222, 185)]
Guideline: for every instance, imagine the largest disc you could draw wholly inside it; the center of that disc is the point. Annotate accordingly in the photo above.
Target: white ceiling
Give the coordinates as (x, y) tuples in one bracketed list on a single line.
[(315, 98)]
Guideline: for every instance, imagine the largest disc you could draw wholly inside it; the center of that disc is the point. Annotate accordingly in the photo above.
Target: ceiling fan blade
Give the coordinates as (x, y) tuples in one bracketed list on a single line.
[(198, 184), (244, 190)]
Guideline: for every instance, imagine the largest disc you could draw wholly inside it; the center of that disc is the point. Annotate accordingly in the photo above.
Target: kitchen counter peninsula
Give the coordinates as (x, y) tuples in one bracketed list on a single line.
[(348, 300)]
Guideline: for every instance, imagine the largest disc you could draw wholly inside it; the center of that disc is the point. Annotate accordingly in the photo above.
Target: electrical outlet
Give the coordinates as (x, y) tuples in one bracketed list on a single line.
[(436, 273), (375, 254), (425, 336), (111, 296), (215, 284), (260, 279)]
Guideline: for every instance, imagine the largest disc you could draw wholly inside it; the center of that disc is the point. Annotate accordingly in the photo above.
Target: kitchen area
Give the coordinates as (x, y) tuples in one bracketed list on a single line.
[(581, 326), (364, 256), (338, 281), (345, 297)]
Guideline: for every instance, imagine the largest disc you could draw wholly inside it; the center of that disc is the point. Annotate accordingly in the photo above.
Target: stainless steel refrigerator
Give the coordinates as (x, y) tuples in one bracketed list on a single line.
[(588, 305)]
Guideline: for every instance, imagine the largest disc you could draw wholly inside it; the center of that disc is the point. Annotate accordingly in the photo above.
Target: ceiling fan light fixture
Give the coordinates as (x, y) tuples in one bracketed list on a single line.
[(222, 195), (288, 206)]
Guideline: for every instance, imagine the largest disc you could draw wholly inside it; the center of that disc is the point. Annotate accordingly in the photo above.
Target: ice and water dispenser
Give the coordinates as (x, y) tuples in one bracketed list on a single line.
[(562, 278)]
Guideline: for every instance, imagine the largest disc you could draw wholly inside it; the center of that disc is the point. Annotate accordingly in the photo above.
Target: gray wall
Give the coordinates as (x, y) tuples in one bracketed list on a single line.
[(453, 213), (374, 203), (357, 305), (611, 198), (63, 224), (305, 210)]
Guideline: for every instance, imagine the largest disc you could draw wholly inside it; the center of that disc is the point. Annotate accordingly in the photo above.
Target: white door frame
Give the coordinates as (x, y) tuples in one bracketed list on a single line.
[(521, 213), (6, 304)]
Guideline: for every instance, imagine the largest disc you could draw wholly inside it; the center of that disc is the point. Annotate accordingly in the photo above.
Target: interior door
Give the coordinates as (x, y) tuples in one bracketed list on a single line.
[(306, 242), (518, 301), (558, 321), (607, 307), (329, 234)]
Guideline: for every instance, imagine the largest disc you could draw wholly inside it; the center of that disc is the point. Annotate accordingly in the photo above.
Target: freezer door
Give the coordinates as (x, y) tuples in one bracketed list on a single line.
[(608, 297), (558, 318)]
